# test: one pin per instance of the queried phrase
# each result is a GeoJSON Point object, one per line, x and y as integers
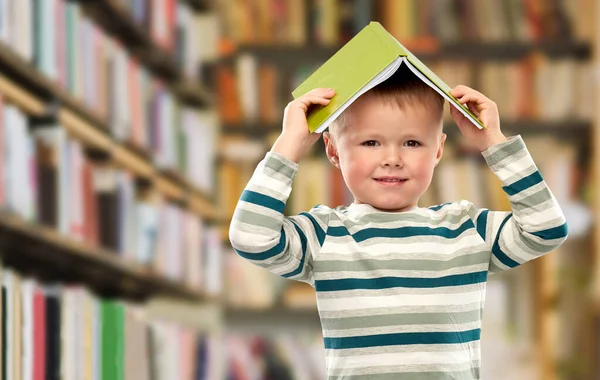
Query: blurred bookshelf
{"type": "Point", "coordinates": [569, 127]}
{"type": "Point", "coordinates": [43, 253]}
{"type": "Point", "coordinates": [107, 197]}
{"type": "Point", "coordinates": [290, 56]}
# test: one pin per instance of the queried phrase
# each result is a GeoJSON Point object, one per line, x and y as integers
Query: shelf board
{"type": "Point", "coordinates": [116, 20]}
{"type": "Point", "coordinates": [42, 252]}
{"type": "Point", "coordinates": [40, 96]}
{"type": "Point", "coordinates": [291, 56]}
{"type": "Point", "coordinates": [200, 5]}
{"type": "Point", "coordinates": [257, 130]}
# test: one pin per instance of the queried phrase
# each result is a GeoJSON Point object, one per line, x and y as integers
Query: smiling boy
{"type": "Point", "coordinates": [400, 288]}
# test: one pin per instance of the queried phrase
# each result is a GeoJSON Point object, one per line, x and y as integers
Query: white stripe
{"type": "Point", "coordinates": [270, 186]}
{"type": "Point", "coordinates": [393, 224]}
{"type": "Point", "coordinates": [353, 303]}
{"type": "Point", "coordinates": [539, 218]}
{"type": "Point", "coordinates": [414, 358]}
{"type": "Point", "coordinates": [384, 310]}
{"type": "Point", "coordinates": [253, 241]}
{"type": "Point", "coordinates": [518, 167]}
{"type": "Point", "coordinates": [430, 248]}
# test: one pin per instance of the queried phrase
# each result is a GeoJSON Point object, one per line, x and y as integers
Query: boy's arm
{"type": "Point", "coordinates": [536, 224]}
{"type": "Point", "coordinates": [260, 233]}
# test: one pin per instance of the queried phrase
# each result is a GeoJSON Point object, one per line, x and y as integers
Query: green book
{"type": "Point", "coordinates": [112, 334]}
{"type": "Point", "coordinates": [369, 58]}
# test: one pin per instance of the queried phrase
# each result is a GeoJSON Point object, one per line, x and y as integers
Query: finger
{"type": "Point", "coordinates": [321, 91]}
{"type": "Point", "coordinates": [307, 100]}
{"type": "Point", "coordinates": [473, 97]}
{"type": "Point", "coordinates": [460, 90]}
{"type": "Point", "coordinates": [474, 108]}
{"type": "Point", "coordinates": [461, 121]}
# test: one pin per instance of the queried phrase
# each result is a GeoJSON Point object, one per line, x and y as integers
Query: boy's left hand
{"type": "Point", "coordinates": [485, 110]}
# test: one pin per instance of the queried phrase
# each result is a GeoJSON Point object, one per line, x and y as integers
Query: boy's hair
{"type": "Point", "coordinates": [403, 88]}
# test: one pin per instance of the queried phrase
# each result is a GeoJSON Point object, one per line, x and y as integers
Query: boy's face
{"type": "Point", "coordinates": [387, 154]}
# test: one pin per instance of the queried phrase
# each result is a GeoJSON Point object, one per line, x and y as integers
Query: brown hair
{"type": "Point", "coordinates": [402, 88]}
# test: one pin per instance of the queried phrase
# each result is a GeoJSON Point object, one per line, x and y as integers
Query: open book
{"type": "Point", "coordinates": [369, 58]}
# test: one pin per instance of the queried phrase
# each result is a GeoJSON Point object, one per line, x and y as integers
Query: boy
{"type": "Point", "coordinates": [400, 288]}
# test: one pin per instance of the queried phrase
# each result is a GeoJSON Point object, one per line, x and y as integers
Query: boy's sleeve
{"type": "Point", "coordinates": [260, 233]}
{"type": "Point", "coordinates": [535, 226]}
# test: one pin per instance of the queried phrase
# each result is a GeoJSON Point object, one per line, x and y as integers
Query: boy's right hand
{"type": "Point", "coordinates": [295, 139]}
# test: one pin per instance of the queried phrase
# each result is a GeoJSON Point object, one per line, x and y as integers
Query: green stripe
{"type": "Point", "coordinates": [279, 166]}
{"type": "Point", "coordinates": [399, 264]}
{"type": "Point", "coordinates": [523, 184]}
{"type": "Point", "coordinates": [272, 252]}
{"type": "Point", "coordinates": [439, 207]}
{"type": "Point", "coordinates": [509, 150]}
{"type": "Point", "coordinates": [482, 223]}
{"type": "Point", "coordinates": [263, 200]}
{"type": "Point", "coordinates": [497, 251]}
{"type": "Point", "coordinates": [257, 220]}
{"type": "Point", "coordinates": [401, 232]}
{"type": "Point", "coordinates": [403, 282]}
{"type": "Point", "coordinates": [471, 374]}
{"type": "Point", "coordinates": [453, 337]}
{"type": "Point", "coordinates": [318, 230]}
{"type": "Point", "coordinates": [535, 199]}
{"type": "Point", "coordinates": [303, 245]}
{"type": "Point", "coordinates": [401, 319]}
{"type": "Point", "coordinates": [559, 232]}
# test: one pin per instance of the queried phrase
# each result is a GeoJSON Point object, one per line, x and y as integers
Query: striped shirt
{"type": "Point", "coordinates": [400, 295]}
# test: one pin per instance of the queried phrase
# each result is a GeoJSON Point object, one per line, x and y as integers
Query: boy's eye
{"type": "Point", "coordinates": [370, 143]}
{"type": "Point", "coordinates": [412, 143]}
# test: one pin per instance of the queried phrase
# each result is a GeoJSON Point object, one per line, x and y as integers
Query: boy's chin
{"type": "Point", "coordinates": [393, 206]}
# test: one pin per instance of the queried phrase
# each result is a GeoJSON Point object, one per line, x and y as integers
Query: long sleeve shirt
{"type": "Point", "coordinates": [400, 295]}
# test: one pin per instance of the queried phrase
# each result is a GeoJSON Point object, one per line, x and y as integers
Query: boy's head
{"type": "Point", "coordinates": [388, 142]}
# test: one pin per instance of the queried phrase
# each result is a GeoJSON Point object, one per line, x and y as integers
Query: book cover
{"type": "Point", "coordinates": [368, 59]}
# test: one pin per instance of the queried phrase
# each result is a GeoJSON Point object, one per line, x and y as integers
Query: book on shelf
{"type": "Point", "coordinates": [46, 178]}
{"type": "Point", "coordinates": [52, 331]}
{"type": "Point", "coordinates": [368, 59]}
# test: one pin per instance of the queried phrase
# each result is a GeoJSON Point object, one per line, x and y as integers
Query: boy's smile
{"type": "Point", "coordinates": [386, 153]}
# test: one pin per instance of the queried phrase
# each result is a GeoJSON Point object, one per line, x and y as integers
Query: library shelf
{"type": "Point", "coordinates": [43, 252]}
{"type": "Point", "coordinates": [116, 20]}
{"type": "Point", "coordinates": [567, 127]}
{"type": "Point", "coordinates": [200, 5]}
{"type": "Point", "coordinates": [292, 56]}
{"type": "Point", "coordinates": [92, 131]}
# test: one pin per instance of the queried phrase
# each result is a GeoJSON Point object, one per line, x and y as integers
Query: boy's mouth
{"type": "Point", "coordinates": [390, 180]}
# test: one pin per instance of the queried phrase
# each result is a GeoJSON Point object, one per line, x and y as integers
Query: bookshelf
{"type": "Point", "coordinates": [43, 253]}
{"type": "Point", "coordinates": [292, 55]}
{"type": "Point", "coordinates": [116, 20]}
{"type": "Point", "coordinates": [96, 136]}
{"type": "Point", "coordinates": [78, 270]}
{"type": "Point", "coordinates": [55, 257]}
{"type": "Point", "coordinates": [574, 128]}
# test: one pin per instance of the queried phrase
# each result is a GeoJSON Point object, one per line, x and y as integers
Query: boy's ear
{"type": "Point", "coordinates": [331, 150]}
{"type": "Point", "coordinates": [440, 151]}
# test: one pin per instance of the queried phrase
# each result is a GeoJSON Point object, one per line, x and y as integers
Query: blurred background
{"type": "Point", "coordinates": [129, 128]}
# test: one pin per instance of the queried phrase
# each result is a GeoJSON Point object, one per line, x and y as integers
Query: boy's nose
{"type": "Point", "coordinates": [393, 159]}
